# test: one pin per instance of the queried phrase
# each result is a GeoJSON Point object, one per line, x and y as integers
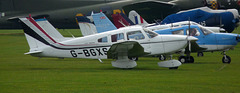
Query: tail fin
{"type": "Point", "coordinates": [102, 23]}
{"type": "Point", "coordinates": [136, 18]}
{"type": "Point", "coordinates": [121, 20]}
{"type": "Point", "coordinates": [50, 30]}
{"type": "Point", "coordinates": [86, 27]}
{"type": "Point", "coordinates": [38, 34]}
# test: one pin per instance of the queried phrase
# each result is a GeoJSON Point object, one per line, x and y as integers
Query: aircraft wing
{"type": "Point", "coordinates": [196, 48]}
{"type": "Point", "coordinates": [128, 48]}
{"type": "Point", "coordinates": [149, 6]}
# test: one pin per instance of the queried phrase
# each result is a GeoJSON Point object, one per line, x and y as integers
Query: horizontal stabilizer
{"type": "Point", "coordinates": [33, 52]}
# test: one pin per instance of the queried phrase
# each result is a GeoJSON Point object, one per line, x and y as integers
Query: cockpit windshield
{"type": "Point", "coordinates": [206, 31]}
{"type": "Point", "coordinates": [150, 34]}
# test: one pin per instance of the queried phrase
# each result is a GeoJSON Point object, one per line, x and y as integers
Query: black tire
{"type": "Point", "coordinates": [182, 59]}
{"type": "Point", "coordinates": [162, 57]}
{"type": "Point", "coordinates": [200, 54]}
{"type": "Point", "coordinates": [173, 68]}
{"type": "Point", "coordinates": [133, 58]}
{"type": "Point", "coordinates": [191, 59]}
{"type": "Point", "coordinates": [226, 60]}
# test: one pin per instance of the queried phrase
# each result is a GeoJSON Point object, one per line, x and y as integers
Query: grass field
{"type": "Point", "coordinates": [21, 73]}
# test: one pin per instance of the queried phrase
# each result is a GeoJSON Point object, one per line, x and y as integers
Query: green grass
{"type": "Point", "coordinates": [21, 73]}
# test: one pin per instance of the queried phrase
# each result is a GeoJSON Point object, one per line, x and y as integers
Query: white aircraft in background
{"type": "Point", "coordinates": [45, 41]}
{"type": "Point", "coordinates": [137, 19]}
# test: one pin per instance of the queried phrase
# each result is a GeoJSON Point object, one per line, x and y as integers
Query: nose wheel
{"type": "Point", "coordinates": [226, 59]}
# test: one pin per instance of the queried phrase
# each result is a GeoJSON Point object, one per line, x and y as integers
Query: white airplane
{"type": "Point", "coordinates": [134, 41]}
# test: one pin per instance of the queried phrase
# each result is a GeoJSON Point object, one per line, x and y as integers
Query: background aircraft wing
{"type": "Point", "coordinates": [148, 7]}
{"type": "Point", "coordinates": [195, 47]}
{"type": "Point", "coordinates": [128, 48]}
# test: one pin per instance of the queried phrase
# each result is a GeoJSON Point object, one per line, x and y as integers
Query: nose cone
{"type": "Point", "coordinates": [191, 38]}
{"type": "Point", "coordinates": [227, 38]}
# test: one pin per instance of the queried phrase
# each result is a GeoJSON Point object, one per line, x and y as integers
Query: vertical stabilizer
{"type": "Point", "coordinates": [121, 20]}
{"type": "Point", "coordinates": [50, 30]}
{"type": "Point", "coordinates": [86, 26]}
{"type": "Point", "coordinates": [136, 18]}
{"type": "Point", "coordinates": [39, 34]}
{"type": "Point", "coordinates": [102, 23]}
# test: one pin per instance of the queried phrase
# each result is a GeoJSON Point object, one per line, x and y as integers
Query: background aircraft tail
{"type": "Point", "coordinates": [121, 20]}
{"type": "Point", "coordinates": [136, 18]}
{"type": "Point", "coordinates": [102, 23]}
{"type": "Point", "coordinates": [85, 25]}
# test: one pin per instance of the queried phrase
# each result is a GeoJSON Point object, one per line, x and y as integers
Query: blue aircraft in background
{"type": "Point", "coordinates": [208, 41]}
{"type": "Point", "coordinates": [227, 19]}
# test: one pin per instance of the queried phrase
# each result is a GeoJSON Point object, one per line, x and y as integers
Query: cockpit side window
{"type": "Point", "coordinates": [178, 32]}
{"type": "Point", "coordinates": [193, 32]}
{"type": "Point", "coordinates": [135, 35]}
{"type": "Point", "coordinates": [117, 37]}
{"type": "Point", "coordinates": [206, 31]}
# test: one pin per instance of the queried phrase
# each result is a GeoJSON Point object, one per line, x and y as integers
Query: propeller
{"type": "Point", "coordinates": [189, 42]}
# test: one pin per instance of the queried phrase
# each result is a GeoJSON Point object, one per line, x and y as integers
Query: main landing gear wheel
{"type": "Point", "coordinates": [182, 59]}
{"type": "Point", "coordinates": [200, 54]}
{"type": "Point", "coordinates": [185, 59]}
{"type": "Point", "coordinates": [226, 59]}
{"type": "Point", "coordinates": [162, 57]}
{"type": "Point", "coordinates": [133, 58]}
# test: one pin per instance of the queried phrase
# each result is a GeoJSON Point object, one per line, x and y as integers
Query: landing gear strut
{"type": "Point", "coordinates": [226, 59]}
{"type": "Point", "coordinates": [162, 57]}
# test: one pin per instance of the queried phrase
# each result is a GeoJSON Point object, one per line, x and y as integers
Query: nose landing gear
{"type": "Point", "coordinates": [226, 59]}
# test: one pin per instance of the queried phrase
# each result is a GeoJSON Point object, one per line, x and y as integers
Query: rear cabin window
{"type": "Point", "coordinates": [135, 35]}
{"type": "Point", "coordinates": [117, 37]}
{"type": "Point", "coordinates": [103, 40]}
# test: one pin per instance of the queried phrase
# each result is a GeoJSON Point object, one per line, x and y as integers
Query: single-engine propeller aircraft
{"type": "Point", "coordinates": [118, 44]}
{"type": "Point", "coordinates": [208, 41]}
{"type": "Point", "coordinates": [61, 13]}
